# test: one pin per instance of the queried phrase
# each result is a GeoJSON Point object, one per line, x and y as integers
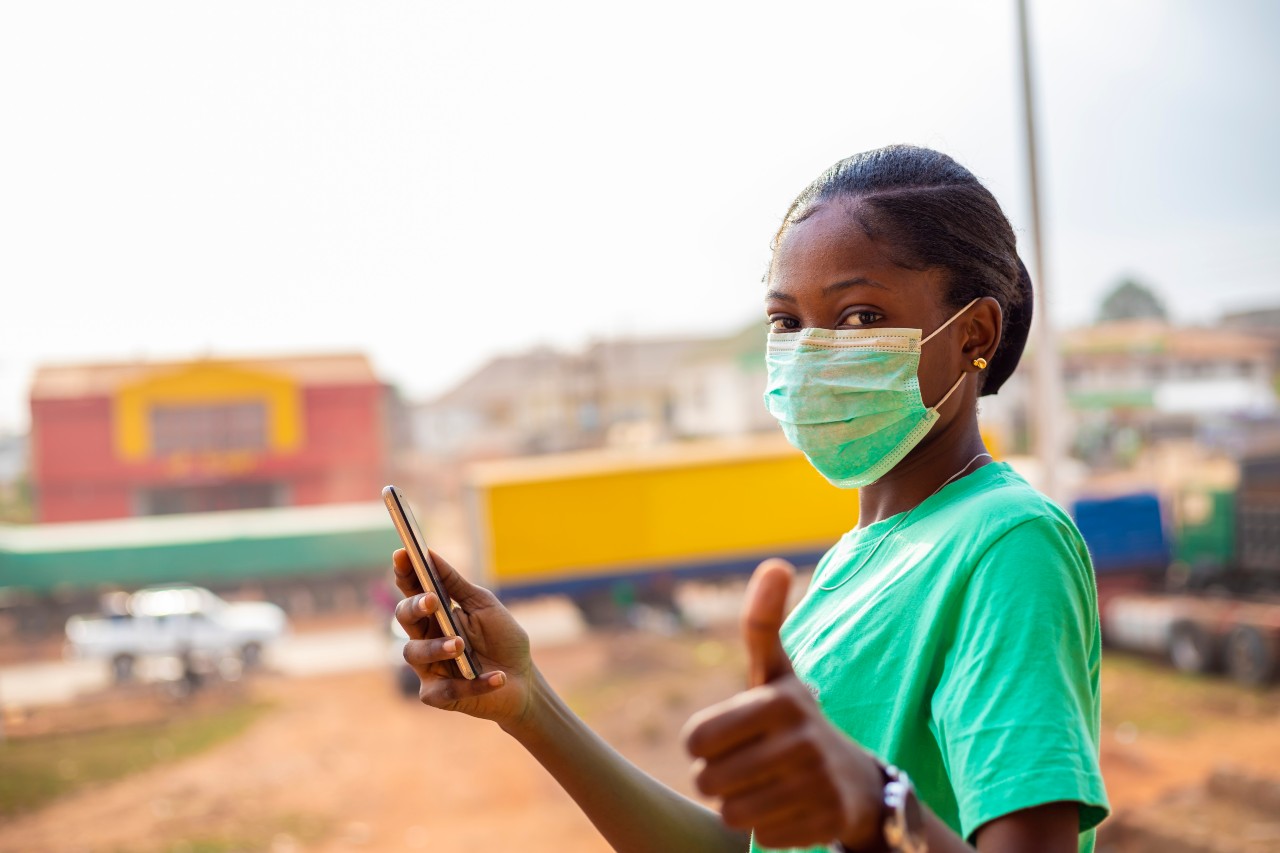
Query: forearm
{"type": "Point", "coordinates": [1050, 828]}
{"type": "Point", "coordinates": [938, 837]}
{"type": "Point", "coordinates": [632, 810]}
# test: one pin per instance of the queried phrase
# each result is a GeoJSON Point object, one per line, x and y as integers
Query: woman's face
{"type": "Point", "coordinates": [827, 274]}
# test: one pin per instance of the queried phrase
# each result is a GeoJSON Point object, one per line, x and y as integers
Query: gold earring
{"type": "Point", "coordinates": [980, 363]}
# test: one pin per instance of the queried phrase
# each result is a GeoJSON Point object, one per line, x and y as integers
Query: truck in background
{"type": "Point", "coordinates": [609, 527]}
{"type": "Point", "coordinates": [310, 559]}
{"type": "Point", "coordinates": [178, 622]}
{"type": "Point", "coordinates": [1215, 604]}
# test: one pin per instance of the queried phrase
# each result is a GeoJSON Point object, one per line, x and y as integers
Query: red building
{"type": "Point", "coordinates": [115, 440]}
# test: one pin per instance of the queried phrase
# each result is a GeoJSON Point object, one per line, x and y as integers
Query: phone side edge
{"type": "Point", "coordinates": [418, 558]}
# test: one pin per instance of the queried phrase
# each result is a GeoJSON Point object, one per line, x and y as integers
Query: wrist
{"type": "Point", "coordinates": [531, 721]}
{"type": "Point", "coordinates": [868, 835]}
{"type": "Point", "coordinates": [877, 845]}
{"type": "Point", "coordinates": [902, 818]}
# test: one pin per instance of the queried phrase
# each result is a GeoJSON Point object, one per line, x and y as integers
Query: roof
{"type": "Point", "coordinates": [628, 363]}
{"type": "Point", "coordinates": [1129, 338]}
{"type": "Point", "coordinates": [1262, 321]}
{"type": "Point", "coordinates": [149, 530]}
{"type": "Point", "coordinates": [746, 346]}
{"type": "Point", "coordinates": [507, 376]}
{"type": "Point", "coordinates": [61, 381]}
{"type": "Point", "coordinates": [204, 548]}
{"type": "Point", "coordinates": [608, 461]}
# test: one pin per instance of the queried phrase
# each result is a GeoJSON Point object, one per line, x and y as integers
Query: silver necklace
{"type": "Point", "coordinates": [899, 522]}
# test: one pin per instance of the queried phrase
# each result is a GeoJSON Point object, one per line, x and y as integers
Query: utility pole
{"type": "Point", "coordinates": [1047, 407]}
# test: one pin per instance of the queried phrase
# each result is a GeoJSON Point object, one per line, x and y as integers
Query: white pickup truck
{"type": "Point", "coordinates": [176, 621]}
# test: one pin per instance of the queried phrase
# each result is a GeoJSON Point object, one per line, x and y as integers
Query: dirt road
{"type": "Point", "coordinates": [342, 762]}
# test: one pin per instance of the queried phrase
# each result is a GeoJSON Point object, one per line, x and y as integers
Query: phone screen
{"type": "Point", "coordinates": [415, 544]}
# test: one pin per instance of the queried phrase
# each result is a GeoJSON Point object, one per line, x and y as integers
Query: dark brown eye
{"type": "Point", "coordinates": [863, 318]}
{"type": "Point", "coordinates": [783, 324]}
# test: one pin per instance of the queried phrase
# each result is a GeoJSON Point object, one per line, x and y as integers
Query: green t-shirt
{"type": "Point", "coordinates": [964, 648]}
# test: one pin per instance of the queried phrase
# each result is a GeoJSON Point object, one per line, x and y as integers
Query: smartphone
{"type": "Point", "coordinates": [420, 557]}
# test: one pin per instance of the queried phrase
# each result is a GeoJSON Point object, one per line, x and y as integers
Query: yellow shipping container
{"type": "Point", "coordinates": [575, 522]}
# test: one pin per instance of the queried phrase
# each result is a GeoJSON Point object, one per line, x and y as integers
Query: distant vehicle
{"type": "Point", "coordinates": [406, 679]}
{"type": "Point", "coordinates": [176, 621]}
{"type": "Point", "coordinates": [1200, 633]}
{"type": "Point", "coordinates": [613, 528]}
{"type": "Point", "coordinates": [1224, 612]}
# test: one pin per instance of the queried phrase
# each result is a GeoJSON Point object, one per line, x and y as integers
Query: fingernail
{"type": "Point", "coordinates": [497, 679]}
{"type": "Point", "coordinates": [453, 646]}
{"type": "Point", "coordinates": [422, 603]}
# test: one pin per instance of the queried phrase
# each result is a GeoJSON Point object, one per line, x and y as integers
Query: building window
{"type": "Point", "coordinates": [212, 498]}
{"type": "Point", "coordinates": [204, 428]}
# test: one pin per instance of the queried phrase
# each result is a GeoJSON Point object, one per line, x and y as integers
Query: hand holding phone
{"type": "Point", "coordinates": [420, 556]}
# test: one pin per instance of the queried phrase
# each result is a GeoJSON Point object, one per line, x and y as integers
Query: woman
{"type": "Point", "coordinates": [952, 634]}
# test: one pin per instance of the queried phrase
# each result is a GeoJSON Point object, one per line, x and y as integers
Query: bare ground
{"type": "Point", "coordinates": [343, 763]}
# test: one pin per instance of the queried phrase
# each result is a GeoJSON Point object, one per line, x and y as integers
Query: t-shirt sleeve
{"type": "Point", "coordinates": [1016, 708]}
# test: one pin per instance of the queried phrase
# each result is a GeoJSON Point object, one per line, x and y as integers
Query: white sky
{"type": "Point", "coordinates": [434, 183]}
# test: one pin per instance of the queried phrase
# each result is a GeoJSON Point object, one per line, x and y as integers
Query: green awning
{"type": "Point", "coordinates": [1140, 398]}
{"type": "Point", "coordinates": [204, 548]}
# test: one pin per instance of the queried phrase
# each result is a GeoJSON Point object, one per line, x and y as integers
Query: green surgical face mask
{"type": "Point", "coordinates": [850, 399]}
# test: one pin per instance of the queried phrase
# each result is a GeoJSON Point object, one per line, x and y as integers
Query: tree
{"type": "Point", "coordinates": [1131, 300]}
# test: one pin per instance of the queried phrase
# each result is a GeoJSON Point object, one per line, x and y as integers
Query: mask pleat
{"type": "Point", "coordinates": [848, 409]}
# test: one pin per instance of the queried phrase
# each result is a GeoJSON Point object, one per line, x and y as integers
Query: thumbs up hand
{"type": "Point", "coordinates": [764, 609]}
{"type": "Point", "coordinates": [777, 765]}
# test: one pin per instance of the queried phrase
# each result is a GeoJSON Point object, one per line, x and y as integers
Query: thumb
{"type": "Point", "coordinates": [461, 590]}
{"type": "Point", "coordinates": [762, 613]}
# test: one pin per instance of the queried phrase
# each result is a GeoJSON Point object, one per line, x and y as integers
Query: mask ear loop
{"type": "Point", "coordinates": [956, 384]}
{"type": "Point", "coordinates": [949, 322]}
{"type": "Point", "coordinates": [938, 405]}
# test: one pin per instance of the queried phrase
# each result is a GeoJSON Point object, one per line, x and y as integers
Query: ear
{"type": "Point", "coordinates": [982, 328]}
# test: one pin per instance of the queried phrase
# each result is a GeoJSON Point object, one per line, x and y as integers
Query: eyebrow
{"type": "Point", "coordinates": [828, 290]}
{"type": "Point", "coordinates": [853, 282]}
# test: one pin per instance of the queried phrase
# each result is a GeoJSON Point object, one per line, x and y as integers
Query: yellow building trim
{"type": "Point", "coordinates": [206, 383]}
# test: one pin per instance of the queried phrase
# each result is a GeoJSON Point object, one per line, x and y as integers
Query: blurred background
{"type": "Point", "coordinates": [261, 259]}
